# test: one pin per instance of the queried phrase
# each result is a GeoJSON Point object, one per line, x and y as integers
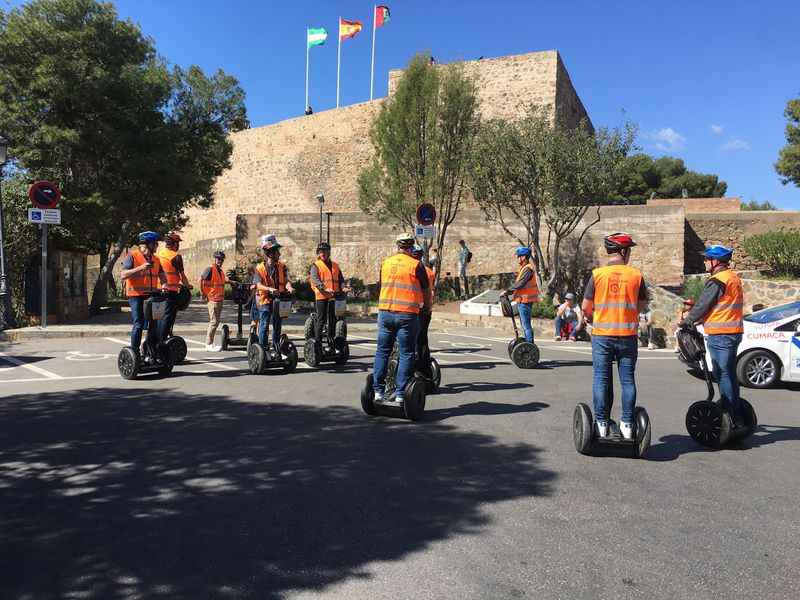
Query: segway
{"type": "Point", "coordinates": [283, 357]}
{"type": "Point", "coordinates": [333, 348]}
{"type": "Point", "coordinates": [340, 329]}
{"type": "Point", "coordinates": [708, 421]}
{"type": "Point", "coordinates": [241, 295]}
{"type": "Point", "coordinates": [524, 354]}
{"type": "Point", "coordinates": [433, 381]}
{"type": "Point", "coordinates": [413, 405]}
{"type": "Point", "coordinates": [175, 343]}
{"type": "Point", "coordinates": [154, 356]}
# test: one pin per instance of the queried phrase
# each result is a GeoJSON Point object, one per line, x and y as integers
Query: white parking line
{"type": "Point", "coordinates": [30, 367]}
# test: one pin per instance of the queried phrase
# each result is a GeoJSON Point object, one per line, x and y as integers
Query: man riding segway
{"type": "Point", "coordinates": [425, 363]}
{"type": "Point", "coordinates": [328, 284]}
{"type": "Point", "coordinates": [212, 287]}
{"type": "Point", "coordinates": [172, 264]}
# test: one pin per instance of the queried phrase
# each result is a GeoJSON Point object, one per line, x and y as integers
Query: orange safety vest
{"type": "Point", "coordinates": [143, 283]}
{"type": "Point", "coordinates": [530, 293]}
{"type": "Point", "coordinates": [726, 316]}
{"type": "Point", "coordinates": [616, 300]}
{"type": "Point", "coordinates": [400, 288]}
{"type": "Point", "coordinates": [173, 276]}
{"type": "Point", "coordinates": [263, 297]}
{"type": "Point", "coordinates": [214, 288]}
{"type": "Point", "coordinates": [329, 277]}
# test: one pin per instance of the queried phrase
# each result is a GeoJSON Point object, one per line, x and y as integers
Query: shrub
{"type": "Point", "coordinates": [779, 250]}
{"type": "Point", "coordinates": [693, 287]}
{"type": "Point", "coordinates": [543, 310]}
{"type": "Point", "coordinates": [358, 287]}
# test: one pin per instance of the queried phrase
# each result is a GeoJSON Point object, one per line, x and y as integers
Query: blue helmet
{"type": "Point", "coordinates": [717, 252]}
{"type": "Point", "coordinates": [148, 237]}
{"type": "Point", "coordinates": [523, 251]}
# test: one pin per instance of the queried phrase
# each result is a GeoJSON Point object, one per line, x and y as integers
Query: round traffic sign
{"type": "Point", "coordinates": [426, 214]}
{"type": "Point", "coordinates": [44, 194]}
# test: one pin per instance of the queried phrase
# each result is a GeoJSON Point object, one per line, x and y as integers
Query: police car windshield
{"type": "Point", "coordinates": [776, 313]}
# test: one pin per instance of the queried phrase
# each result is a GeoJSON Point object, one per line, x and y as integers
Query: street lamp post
{"type": "Point", "coordinates": [321, 200]}
{"type": "Point", "coordinates": [6, 313]}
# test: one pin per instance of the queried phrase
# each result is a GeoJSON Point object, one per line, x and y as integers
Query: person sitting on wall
{"type": "Point", "coordinates": [646, 329]}
{"type": "Point", "coordinates": [569, 319]}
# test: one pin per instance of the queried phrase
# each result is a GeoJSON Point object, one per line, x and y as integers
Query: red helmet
{"type": "Point", "coordinates": [618, 241]}
{"type": "Point", "coordinates": [172, 236]}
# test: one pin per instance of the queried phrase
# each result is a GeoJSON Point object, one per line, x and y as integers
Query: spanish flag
{"type": "Point", "coordinates": [348, 29]}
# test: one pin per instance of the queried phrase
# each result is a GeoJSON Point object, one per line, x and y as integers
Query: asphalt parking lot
{"type": "Point", "coordinates": [214, 483]}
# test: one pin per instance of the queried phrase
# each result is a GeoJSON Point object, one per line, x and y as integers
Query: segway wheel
{"type": "Point", "coordinates": [708, 424]}
{"type": "Point", "coordinates": [414, 400]}
{"type": "Point", "coordinates": [256, 357]}
{"type": "Point", "coordinates": [340, 330]}
{"type": "Point", "coordinates": [368, 397]}
{"type": "Point", "coordinates": [252, 340]}
{"type": "Point", "coordinates": [344, 354]}
{"type": "Point", "coordinates": [513, 343]}
{"type": "Point", "coordinates": [643, 431]}
{"type": "Point", "coordinates": [310, 353]}
{"type": "Point", "coordinates": [750, 418]}
{"type": "Point", "coordinates": [525, 355]}
{"type": "Point", "coordinates": [225, 337]}
{"type": "Point", "coordinates": [391, 375]}
{"type": "Point", "coordinates": [128, 363]}
{"type": "Point", "coordinates": [582, 428]}
{"type": "Point", "coordinates": [177, 346]}
{"type": "Point", "coordinates": [166, 358]}
{"type": "Point", "coordinates": [435, 382]}
{"type": "Point", "coordinates": [308, 327]}
{"type": "Point", "coordinates": [291, 359]}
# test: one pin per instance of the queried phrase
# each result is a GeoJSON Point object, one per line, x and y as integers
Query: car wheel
{"type": "Point", "coordinates": [758, 369]}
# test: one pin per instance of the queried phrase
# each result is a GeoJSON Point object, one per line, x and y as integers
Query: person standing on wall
{"type": "Point", "coordinates": [405, 291]}
{"type": "Point", "coordinates": [614, 297]}
{"type": "Point", "coordinates": [172, 263]}
{"type": "Point", "coordinates": [143, 276]}
{"type": "Point", "coordinates": [525, 291]}
{"type": "Point", "coordinates": [212, 287]}
{"type": "Point", "coordinates": [720, 308]}
{"type": "Point", "coordinates": [464, 257]}
{"type": "Point", "coordinates": [326, 280]}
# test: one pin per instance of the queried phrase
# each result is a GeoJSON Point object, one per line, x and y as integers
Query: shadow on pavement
{"type": "Point", "coordinates": [555, 364]}
{"type": "Point", "coordinates": [111, 493]}
{"type": "Point", "coordinates": [475, 366]}
{"type": "Point", "coordinates": [673, 446]}
{"type": "Point", "coordinates": [7, 360]}
{"type": "Point", "coordinates": [483, 386]}
{"type": "Point", "coordinates": [483, 408]}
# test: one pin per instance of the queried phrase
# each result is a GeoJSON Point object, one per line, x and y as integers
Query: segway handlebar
{"type": "Point", "coordinates": [693, 350]}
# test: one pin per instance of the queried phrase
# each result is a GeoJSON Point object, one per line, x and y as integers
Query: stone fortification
{"type": "Point", "coordinates": [279, 169]}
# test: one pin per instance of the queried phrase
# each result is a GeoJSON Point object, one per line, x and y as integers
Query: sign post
{"type": "Point", "coordinates": [44, 195]}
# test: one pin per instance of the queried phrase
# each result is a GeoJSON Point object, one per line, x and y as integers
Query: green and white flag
{"type": "Point", "coordinates": [317, 37]}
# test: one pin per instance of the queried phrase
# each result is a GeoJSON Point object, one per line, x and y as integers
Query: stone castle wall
{"type": "Point", "coordinates": [731, 229]}
{"type": "Point", "coordinates": [700, 205]}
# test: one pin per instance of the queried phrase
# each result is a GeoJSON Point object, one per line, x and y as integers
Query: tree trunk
{"type": "Point", "coordinates": [99, 294]}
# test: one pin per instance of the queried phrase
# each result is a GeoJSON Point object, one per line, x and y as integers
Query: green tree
{"type": "Point", "coordinates": [423, 138]}
{"type": "Point", "coordinates": [527, 174]}
{"type": "Point", "coordinates": [788, 165]}
{"type": "Point", "coordinates": [756, 205]}
{"type": "Point", "coordinates": [130, 141]}
{"type": "Point", "coordinates": [642, 177]}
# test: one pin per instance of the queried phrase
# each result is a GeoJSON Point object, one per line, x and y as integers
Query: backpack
{"type": "Point", "coordinates": [469, 256]}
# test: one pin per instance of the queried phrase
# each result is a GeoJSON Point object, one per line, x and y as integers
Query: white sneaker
{"type": "Point", "coordinates": [216, 349]}
{"type": "Point", "coordinates": [602, 429]}
{"type": "Point", "coordinates": [378, 396]}
{"type": "Point", "coordinates": [398, 400]}
{"type": "Point", "coordinates": [626, 429]}
{"type": "Point", "coordinates": [209, 348]}
{"type": "Point", "coordinates": [651, 346]}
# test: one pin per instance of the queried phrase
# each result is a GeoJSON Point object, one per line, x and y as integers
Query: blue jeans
{"type": "Point", "coordinates": [722, 349]}
{"type": "Point", "coordinates": [269, 313]}
{"type": "Point", "coordinates": [171, 311]}
{"type": "Point", "coordinates": [404, 328]}
{"type": "Point", "coordinates": [605, 350]}
{"type": "Point", "coordinates": [524, 309]}
{"type": "Point", "coordinates": [139, 324]}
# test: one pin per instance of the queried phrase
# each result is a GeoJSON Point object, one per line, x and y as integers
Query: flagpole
{"type": "Point", "coordinates": [372, 68]}
{"type": "Point", "coordinates": [338, 61]}
{"type": "Point", "coordinates": [307, 52]}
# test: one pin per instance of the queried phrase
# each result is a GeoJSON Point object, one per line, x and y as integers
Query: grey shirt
{"type": "Point", "coordinates": [316, 280]}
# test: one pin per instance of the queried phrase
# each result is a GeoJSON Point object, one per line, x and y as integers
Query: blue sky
{"type": "Point", "coordinates": [705, 81]}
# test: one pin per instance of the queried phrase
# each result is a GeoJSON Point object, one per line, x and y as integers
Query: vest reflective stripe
{"type": "Point", "coordinates": [726, 316]}
{"type": "Point", "coordinates": [616, 298]}
{"type": "Point", "coordinates": [214, 288]}
{"type": "Point", "coordinates": [400, 289]}
{"type": "Point", "coordinates": [530, 293]}
{"type": "Point", "coordinates": [329, 278]}
{"type": "Point", "coordinates": [263, 297]}
{"type": "Point", "coordinates": [143, 283]}
{"type": "Point", "coordinates": [173, 277]}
